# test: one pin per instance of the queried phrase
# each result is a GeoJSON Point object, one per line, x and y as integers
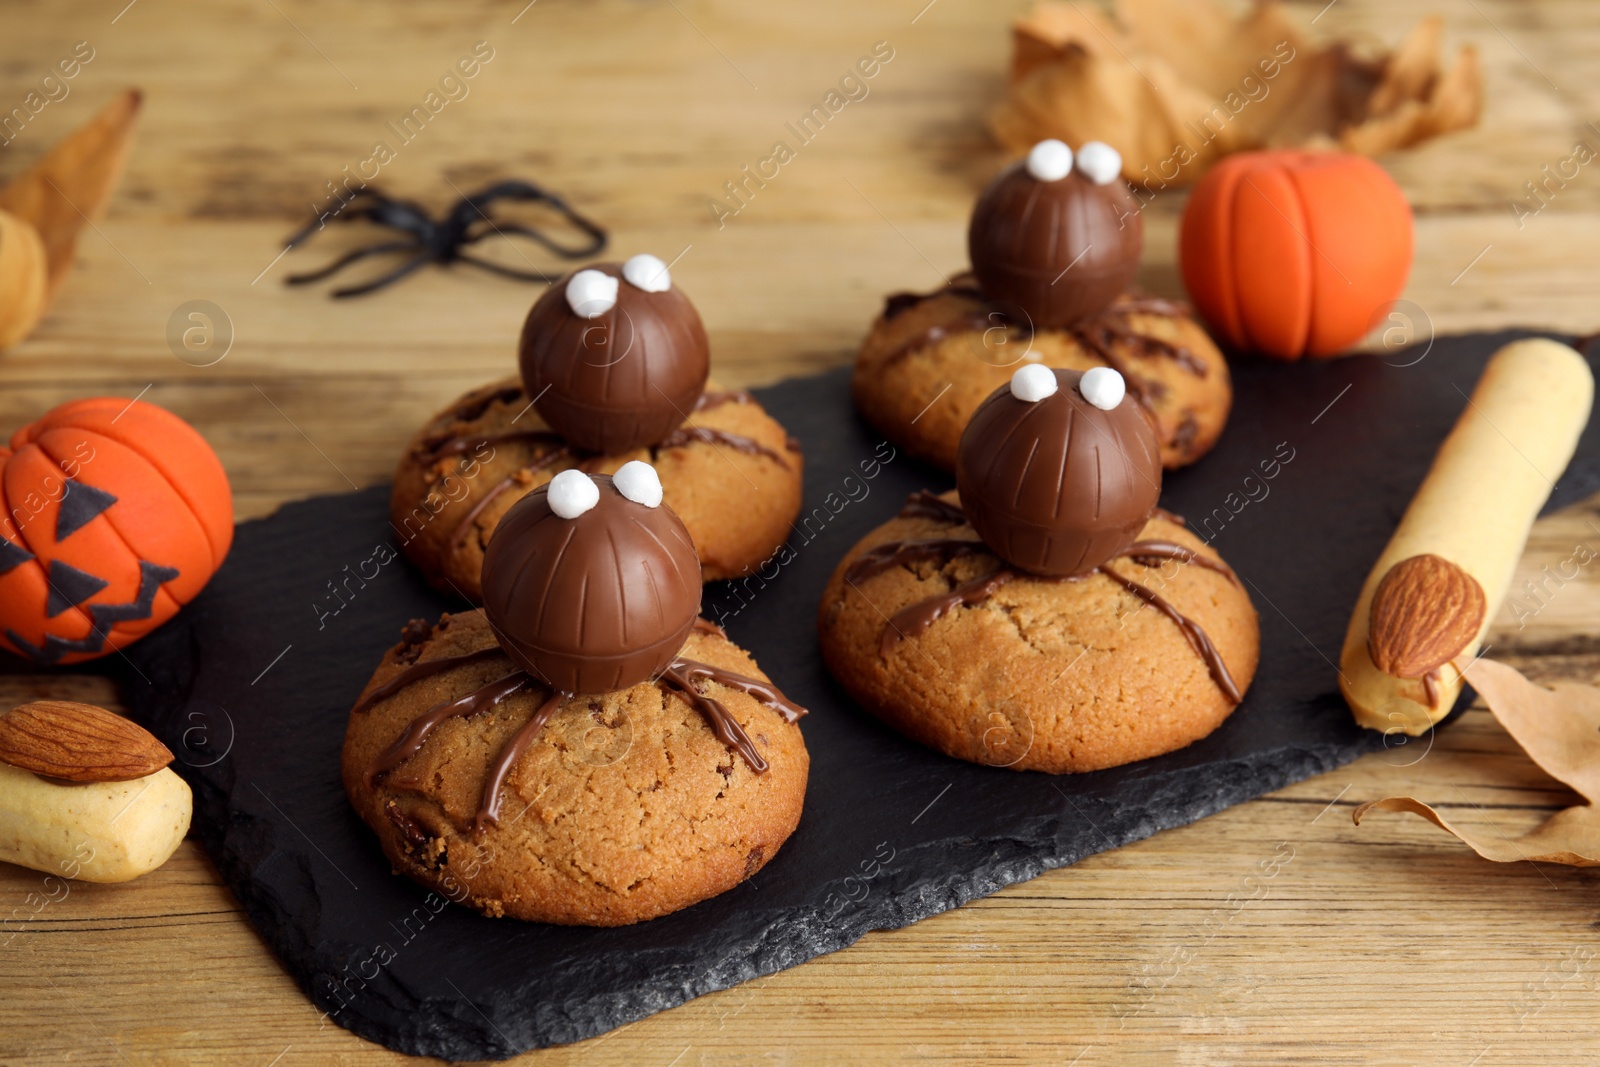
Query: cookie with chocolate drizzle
{"type": "Point", "coordinates": [1054, 251]}
{"type": "Point", "coordinates": [487, 782]}
{"type": "Point", "coordinates": [628, 382]}
{"type": "Point", "coordinates": [1047, 615]}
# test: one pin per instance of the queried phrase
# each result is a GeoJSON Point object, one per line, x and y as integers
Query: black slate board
{"type": "Point", "coordinates": [253, 683]}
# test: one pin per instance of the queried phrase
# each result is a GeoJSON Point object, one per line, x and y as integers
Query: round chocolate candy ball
{"type": "Point", "coordinates": [1059, 470]}
{"type": "Point", "coordinates": [1057, 236]}
{"type": "Point", "coordinates": [614, 356]}
{"type": "Point", "coordinates": [588, 585]}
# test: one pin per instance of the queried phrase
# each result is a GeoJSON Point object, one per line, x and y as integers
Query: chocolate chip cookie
{"type": "Point", "coordinates": [487, 787]}
{"type": "Point", "coordinates": [930, 359]}
{"type": "Point", "coordinates": [730, 471]}
{"type": "Point", "coordinates": [933, 633]}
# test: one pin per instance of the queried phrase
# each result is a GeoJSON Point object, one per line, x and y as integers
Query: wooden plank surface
{"type": "Point", "coordinates": [1384, 944]}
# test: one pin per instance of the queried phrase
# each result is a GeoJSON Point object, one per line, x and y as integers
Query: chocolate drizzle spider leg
{"type": "Point", "coordinates": [915, 619]}
{"type": "Point", "coordinates": [416, 734]}
{"type": "Point", "coordinates": [722, 722]}
{"type": "Point", "coordinates": [500, 769]}
{"type": "Point", "coordinates": [684, 436]}
{"type": "Point", "coordinates": [419, 670]}
{"type": "Point", "coordinates": [458, 439]}
{"type": "Point", "coordinates": [469, 521]}
{"type": "Point", "coordinates": [1105, 334]}
{"type": "Point", "coordinates": [1192, 631]}
{"type": "Point", "coordinates": [691, 670]}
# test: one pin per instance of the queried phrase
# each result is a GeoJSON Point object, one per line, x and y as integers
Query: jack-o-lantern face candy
{"type": "Point", "coordinates": [116, 515]}
{"type": "Point", "coordinates": [615, 356]}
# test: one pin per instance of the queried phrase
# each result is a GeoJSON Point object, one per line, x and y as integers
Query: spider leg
{"type": "Point", "coordinates": [347, 259]}
{"type": "Point", "coordinates": [471, 209]}
{"type": "Point", "coordinates": [407, 216]}
{"type": "Point", "coordinates": [506, 229]}
{"type": "Point", "coordinates": [378, 201]}
{"type": "Point", "coordinates": [442, 241]}
{"type": "Point", "coordinates": [385, 279]}
{"type": "Point", "coordinates": [507, 272]}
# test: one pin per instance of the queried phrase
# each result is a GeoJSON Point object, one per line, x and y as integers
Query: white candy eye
{"type": "Point", "coordinates": [1050, 161]}
{"type": "Point", "coordinates": [572, 493]}
{"type": "Point", "coordinates": [591, 293]}
{"type": "Point", "coordinates": [1033, 383]}
{"type": "Point", "coordinates": [1102, 387]}
{"type": "Point", "coordinates": [639, 482]}
{"type": "Point", "coordinates": [1099, 162]}
{"type": "Point", "coordinates": [647, 272]}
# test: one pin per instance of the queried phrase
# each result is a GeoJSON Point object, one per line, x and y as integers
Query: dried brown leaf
{"type": "Point", "coordinates": [1412, 69]}
{"type": "Point", "coordinates": [71, 185]}
{"type": "Point", "coordinates": [1174, 85]}
{"type": "Point", "coordinates": [1559, 728]}
{"type": "Point", "coordinates": [1454, 102]}
{"type": "Point", "coordinates": [1202, 41]}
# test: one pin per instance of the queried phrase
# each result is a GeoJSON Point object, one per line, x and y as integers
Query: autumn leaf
{"type": "Point", "coordinates": [1559, 729]}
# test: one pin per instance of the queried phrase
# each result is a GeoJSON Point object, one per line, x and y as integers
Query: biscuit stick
{"type": "Point", "coordinates": [1433, 593]}
{"type": "Point", "coordinates": [93, 831]}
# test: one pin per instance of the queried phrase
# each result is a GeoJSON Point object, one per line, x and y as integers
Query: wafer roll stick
{"type": "Point", "coordinates": [1431, 596]}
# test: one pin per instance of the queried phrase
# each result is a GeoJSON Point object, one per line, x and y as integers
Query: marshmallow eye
{"type": "Point", "coordinates": [1050, 161]}
{"type": "Point", "coordinates": [1033, 383]}
{"type": "Point", "coordinates": [591, 293]}
{"type": "Point", "coordinates": [1102, 387]}
{"type": "Point", "coordinates": [1099, 162]}
{"type": "Point", "coordinates": [639, 482]}
{"type": "Point", "coordinates": [647, 272]}
{"type": "Point", "coordinates": [571, 493]}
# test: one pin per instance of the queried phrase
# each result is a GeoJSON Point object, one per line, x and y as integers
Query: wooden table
{"type": "Point", "coordinates": [1390, 943]}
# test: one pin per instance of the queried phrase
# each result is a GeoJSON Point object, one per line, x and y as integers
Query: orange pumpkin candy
{"type": "Point", "coordinates": [1291, 254]}
{"type": "Point", "coordinates": [116, 515]}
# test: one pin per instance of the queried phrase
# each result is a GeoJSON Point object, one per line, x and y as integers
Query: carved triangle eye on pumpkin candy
{"type": "Point", "coordinates": [116, 514]}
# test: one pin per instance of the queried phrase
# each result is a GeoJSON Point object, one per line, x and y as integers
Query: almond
{"type": "Point", "coordinates": [78, 743]}
{"type": "Point", "coordinates": [1425, 611]}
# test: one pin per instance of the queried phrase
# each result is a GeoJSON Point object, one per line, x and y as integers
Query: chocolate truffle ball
{"type": "Point", "coordinates": [1057, 236]}
{"type": "Point", "coordinates": [1054, 483]}
{"type": "Point", "coordinates": [614, 356]}
{"type": "Point", "coordinates": [598, 601]}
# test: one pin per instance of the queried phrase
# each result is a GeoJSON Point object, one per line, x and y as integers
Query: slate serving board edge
{"type": "Point", "coordinates": [244, 845]}
{"type": "Point", "coordinates": [227, 842]}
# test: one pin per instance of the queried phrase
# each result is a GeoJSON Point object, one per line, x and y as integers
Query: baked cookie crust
{"type": "Point", "coordinates": [731, 472]}
{"type": "Point", "coordinates": [622, 807]}
{"type": "Point", "coordinates": [1056, 675]}
{"type": "Point", "coordinates": [930, 360]}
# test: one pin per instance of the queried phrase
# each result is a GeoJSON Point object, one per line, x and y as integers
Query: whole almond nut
{"type": "Point", "coordinates": [1425, 611]}
{"type": "Point", "coordinates": [78, 743]}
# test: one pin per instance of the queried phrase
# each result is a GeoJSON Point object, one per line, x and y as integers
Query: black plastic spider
{"type": "Point", "coordinates": [443, 241]}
